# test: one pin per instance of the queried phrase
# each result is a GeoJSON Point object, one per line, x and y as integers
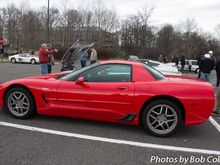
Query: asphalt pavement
{"type": "Point", "coordinates": [56, 140]}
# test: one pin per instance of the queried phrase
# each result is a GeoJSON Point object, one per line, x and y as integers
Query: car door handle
{"type": "Point", "coordinates": [123, 88]}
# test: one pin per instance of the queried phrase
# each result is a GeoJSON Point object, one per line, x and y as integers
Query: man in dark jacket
{"type": "Point", "coordinates": [206, 65]}
{"type": "Point", "coordinates": [182, 62]}
{"type": "Point", "coordinates": [217, 68]}
{"type": "Point", "coordinates": [43, 57]}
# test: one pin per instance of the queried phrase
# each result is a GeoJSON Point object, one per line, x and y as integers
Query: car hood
{"type": "Point", "coordinates": [49, 76]}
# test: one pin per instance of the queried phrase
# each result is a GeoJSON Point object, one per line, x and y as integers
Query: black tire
{"type": "Point", "coordinates": [13, 60]}
{"type": "Point", "coordinates": [19, 103]}
{"type": "Point", "coordinates": [161, 118]}
{"type": "Point", "coordinates": [33, 61]}
{"type": "Point", "coordinates": [197, 70]}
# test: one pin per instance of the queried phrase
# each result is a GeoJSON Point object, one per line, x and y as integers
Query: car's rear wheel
{"type": "Point", "coordinates": [33, 61]}
{"type": "Point", "coordinates": [19, 103]}
{"type": "Point", "coordinates": [13, 60]}
{"type": "Point", "coordinates": [161, 118]}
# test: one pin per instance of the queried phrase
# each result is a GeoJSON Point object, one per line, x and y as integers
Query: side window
{"type": "Point", "coordinates": [23, 55]}
{"type": "Point", "coordinates": [27, 55]}
{"type": "Point", "coordinates": [153, 63]}
{"type": "Point", "coordinates": [194, 63]}
{"type": "Point", "coordinates": [108, 73]}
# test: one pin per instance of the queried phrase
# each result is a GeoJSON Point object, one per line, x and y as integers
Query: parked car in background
{"type": "Point", "coordinates": [132, 58]}
{"type": "Point", "coordinates": [24, 58]}
{"type": "Point", "coordinates": [166, 69]}
{"type": "Point", "coordinates": [194, 68]}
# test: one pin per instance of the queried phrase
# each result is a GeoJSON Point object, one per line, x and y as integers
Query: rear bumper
{"type": "Point", "coordinates": [198, 111]}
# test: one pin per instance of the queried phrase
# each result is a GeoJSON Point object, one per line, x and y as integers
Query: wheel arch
{"type": "Point", "coordinates": [163, 97]}
{"type": "Point", "coordinates": [13, 58]}
{"type": "Point", "coordinates": [20, 86]}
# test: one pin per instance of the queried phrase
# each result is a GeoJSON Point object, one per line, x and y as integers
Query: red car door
{"type": "Point", "coordinates": [106, 93]}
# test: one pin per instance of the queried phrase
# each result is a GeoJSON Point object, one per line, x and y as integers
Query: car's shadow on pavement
{"type": "Point", "coordinates": [104, 129]}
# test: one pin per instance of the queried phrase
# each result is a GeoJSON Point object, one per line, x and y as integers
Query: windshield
{"type": "Point", "coordinates": [71, 76]}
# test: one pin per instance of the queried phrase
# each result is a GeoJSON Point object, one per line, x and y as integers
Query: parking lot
{"type": "Point", "coordinates": [55, 140]}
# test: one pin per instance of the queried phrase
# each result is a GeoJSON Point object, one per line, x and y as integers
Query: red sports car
{"type": "Point", "coordinates": [115, 91]}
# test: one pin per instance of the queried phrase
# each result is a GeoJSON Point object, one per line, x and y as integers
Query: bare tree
{"type": "Point", "coordinates": [217, 29]}
{"type": "Point", "coordinates": [137, 33]}
{"type": "Point", "coordinates": [188, 26]}
{"type": "Point", "coordinates": [165, 40]}
{"type": "Point", "coordinates": [104, 19]}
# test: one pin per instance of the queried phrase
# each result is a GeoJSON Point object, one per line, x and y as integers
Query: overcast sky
{"type": "Point", "coordinates": [205, 12]}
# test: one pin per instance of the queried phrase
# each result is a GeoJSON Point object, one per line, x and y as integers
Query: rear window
{"type": "Point", "coordinates": [155, 73]}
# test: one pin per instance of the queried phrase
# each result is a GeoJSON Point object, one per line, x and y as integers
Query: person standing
{"type": "Point", "coordinates": [51, 60]}
{"type": "Point", "coordinates": [165, 59]}
{"type": "Point", "coordinates": [172, 59]}
{"type": "Point", "coordinates": [206, 65]}
{"type": "Point", "coordinates": [177, 60]}
{"type": "Point", "coordinates": [182, 62]}
{"type": "Point", "coordinates": [217, 68]}
{"type": "Point", "coordinates": [83, 57]}
{"type": "Point", "coordinates": [160, 59]}
{"type": "Point", "coordinates": [43, 54]}
{"type": "Point", "coordinates": [213, 57]}
{"type": "Point", "coordinates": [190, 65]}
{"type": "Point", "coordinates": [93, 56]}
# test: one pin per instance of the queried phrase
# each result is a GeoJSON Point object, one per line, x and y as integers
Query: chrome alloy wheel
{"type": "Point", "coordinates": [18, 103]}
{"type": "Point", "coordinates": [33, 61]}
{"type": "Point", "coordinates": [162, 119]}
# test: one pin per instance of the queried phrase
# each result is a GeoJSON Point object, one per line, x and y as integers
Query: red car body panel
{"type": "Point", "coordinates": [112, 101]}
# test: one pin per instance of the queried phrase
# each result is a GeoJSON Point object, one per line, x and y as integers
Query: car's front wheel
{"type": "Point", "coordinates": [161, 118]}
{"type": "Point", "coordinates": [19, 103]}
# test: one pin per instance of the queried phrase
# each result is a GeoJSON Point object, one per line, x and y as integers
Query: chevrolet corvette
{"type": "Point", "coordinates": [125, 92]}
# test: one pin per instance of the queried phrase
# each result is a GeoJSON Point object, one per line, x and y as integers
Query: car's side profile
{"type": "Point", "coordinates": [24, 58]}
{"type": "Point", "coordinates": [124, 92]}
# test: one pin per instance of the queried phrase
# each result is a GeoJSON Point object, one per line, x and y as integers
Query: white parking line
{"type": "Point", "coordinates": [108, 140]}
{"type": "Point", "coordinates": [115, 141]}
{"type": "Point", "coordinates": [215, 124]}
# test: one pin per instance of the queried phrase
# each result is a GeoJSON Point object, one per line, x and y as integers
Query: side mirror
{"type": "Point", "coordinates": [80, 81]}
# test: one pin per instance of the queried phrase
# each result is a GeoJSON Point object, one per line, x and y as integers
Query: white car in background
{"type": "Point", "coordinates": [166, 69]}
{"type": "Point", "coordinates": [24, 58]}
{"type": "Point", "coordinates": [195, 66]}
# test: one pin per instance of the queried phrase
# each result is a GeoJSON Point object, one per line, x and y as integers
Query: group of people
{"type": "Point", "coordinates": [162, 59]}
{"type": "Point", "coordinates": [46, 57]}
{"type": "Point", "coordinates": [208, 63]}
{"type": "Point", "coordinates": [84, 56]}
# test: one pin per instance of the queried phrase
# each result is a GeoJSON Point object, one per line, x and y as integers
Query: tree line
{"type": "Point", "coordinates": [25, 29]}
